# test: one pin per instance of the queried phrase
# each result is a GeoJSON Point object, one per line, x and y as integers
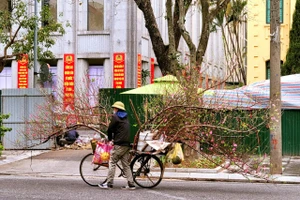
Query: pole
{"type": "Point", "coordinates": [275, 90]}
{"type": "Point", "coordinates": [35, 44]}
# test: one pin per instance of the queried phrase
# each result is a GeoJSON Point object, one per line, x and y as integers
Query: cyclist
{"type": "Point", "coordinates": [118, 132]}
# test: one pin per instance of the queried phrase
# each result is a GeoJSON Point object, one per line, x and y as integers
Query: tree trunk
{"type": "Point", "coordinates": [166, 54]}
{"type": "Point", "coordinates": [160, 49]}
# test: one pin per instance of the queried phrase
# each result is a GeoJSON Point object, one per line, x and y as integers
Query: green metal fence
{"type": "Point", "coordinates": [290, 135]}
{"type": "Point", "coordinates": [290, 124]}
{"type": "Point", "coordinates": [291, 132]}
{"type": "Point", "coordinates": [259, 142]}
{"type": "Point", "coordinates": [137, 100]}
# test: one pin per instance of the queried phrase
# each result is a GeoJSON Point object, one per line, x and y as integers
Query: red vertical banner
{"type": "Point", "coordinates": [119, 70]}
{"type": "Point", "coordinates": [139, 70]}
{"type": "Point", "coordinates": [69, 65]}
{"type": "Point", "coordinates": [152, 71]}
{"type": "Point", "coordinates": [23, 72]}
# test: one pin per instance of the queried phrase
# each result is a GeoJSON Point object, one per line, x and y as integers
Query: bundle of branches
{"type": "Point", "coordinates": [52, 118]}
{"type": "Point", "coordinates": [236, 134]}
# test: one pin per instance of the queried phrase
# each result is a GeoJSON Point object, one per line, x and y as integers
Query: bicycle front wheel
{"type": "Point", "coordinates": [92, 174]}
{"type": "Point", "coordinates": [147, 170]}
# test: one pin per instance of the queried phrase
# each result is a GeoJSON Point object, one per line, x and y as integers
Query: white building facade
{"type": "Point", "coordinates": [98, 29]}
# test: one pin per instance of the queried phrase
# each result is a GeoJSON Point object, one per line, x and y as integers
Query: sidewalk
{"type": "Point", "coordinates": [16, 155]}
{"type": "Point", "coordinates": [291, 170]}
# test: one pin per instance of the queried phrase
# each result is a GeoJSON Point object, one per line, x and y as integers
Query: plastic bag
{"type": "Point", "coordinates": [176, 154]}
{"type": "Point", "coordinates": [102, 153]}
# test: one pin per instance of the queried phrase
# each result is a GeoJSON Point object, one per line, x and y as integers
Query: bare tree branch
{"type": "Point", "coordinates": [185, 34]}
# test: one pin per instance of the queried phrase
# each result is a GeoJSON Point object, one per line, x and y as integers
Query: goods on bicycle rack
{"type": "Point", "coordinates": [143, 138]}
{"type": "Point", "coordinates": [91, 173]}
{"type": "Point", "coordinates": [147, 170]}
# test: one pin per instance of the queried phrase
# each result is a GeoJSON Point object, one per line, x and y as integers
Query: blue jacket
{"type": "Point", "coordinates": [72, 135]}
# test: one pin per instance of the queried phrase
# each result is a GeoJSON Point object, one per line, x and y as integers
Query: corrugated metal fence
{"type": "Point", "coordinates": [20, 104]}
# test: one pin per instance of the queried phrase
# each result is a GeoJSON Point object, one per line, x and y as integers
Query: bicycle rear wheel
{"type": "Point", "coordinates": [147, 170]}
{"type": "Point", "coordinates": [92, 174]}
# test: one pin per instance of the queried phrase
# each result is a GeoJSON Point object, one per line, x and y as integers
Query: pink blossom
{"type": "Point", "coordinates": [227, 165]}
{"type": "Point", "coordinates": [273, 118]}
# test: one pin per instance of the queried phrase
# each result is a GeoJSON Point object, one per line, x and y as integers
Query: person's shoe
{"type": "Point", "coordinates": [128, 187]}
{"type": "Point", "coordinates": [105, 186]}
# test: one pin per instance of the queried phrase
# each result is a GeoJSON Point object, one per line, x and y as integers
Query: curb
{"type": "Point", "coordinates": [226, 177]}
{"type": "Point", "coordinates": [221, 177]}
{"type": "Point", "coordinates": [194, 170]}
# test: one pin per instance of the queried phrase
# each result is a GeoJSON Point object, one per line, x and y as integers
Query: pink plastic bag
{"type": "Point", "coordinates": [102, 153]}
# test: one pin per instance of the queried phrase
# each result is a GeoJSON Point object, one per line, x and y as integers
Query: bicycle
{"type": "Point", "coordinates": [147, 169]}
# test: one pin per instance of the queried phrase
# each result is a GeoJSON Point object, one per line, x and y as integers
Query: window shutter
{"type": "Point", "coordinates": [281, 11]}
{"type": "Point", "coordinates": [268, 11]}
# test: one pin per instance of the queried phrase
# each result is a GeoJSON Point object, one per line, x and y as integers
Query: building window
{"type": "Point", "coordinates": [49, 10]}
{"type": "Point", "coordinates": [268, 68]}
{"type": "Point", "coordinates": [269, 11]}
{"type": "Point", "coordinates": [53, 71]}
{"type": "Point", "coordinates": [95, 15]}
{"type": "Point", "coordinates": [5, 78]}
{"type": "Point", "coordinates": [53, 9]}
{"type": "Point", "coordinates": [53, 83]}
{"type": "Point", "coordinates": [96, 81]}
